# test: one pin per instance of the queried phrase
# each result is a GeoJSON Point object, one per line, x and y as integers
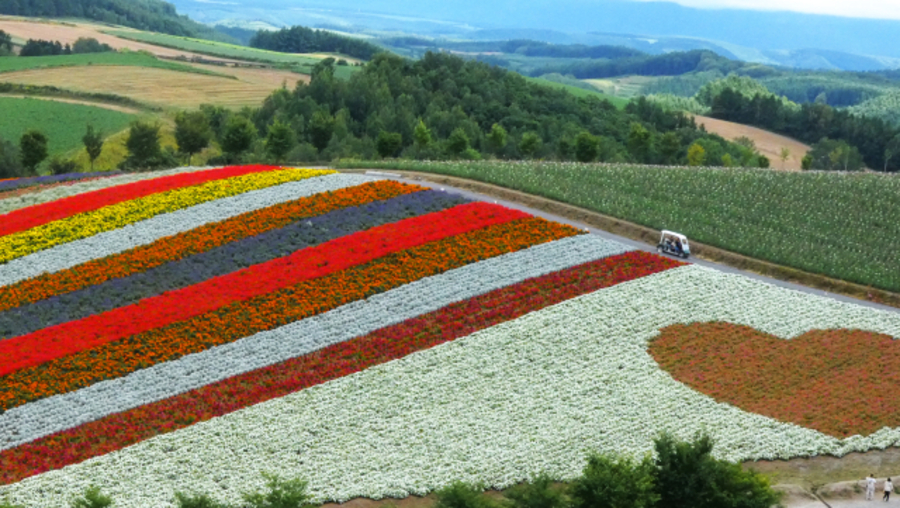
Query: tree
{"type": "Point", "coordinates": [727, 160]}
{"type": "Point", "coordinates": [587, 147]}
{"type": "Point", "coordinates": [458, 142]}
{"type": "Point", "coordinates": [93, 144]}
{"type": "Point", "coordinates": [321, 126]}
{"type": "Point", "coordinates": [89, 45]}
{"type": "Point", "coordinates": [497, 138]}
{"type": "Point", "coordinates": [806, 162]}
{"type": "Point", "coordinates": [696, 155]}
{"type": "Point", "coordinates": [785, 154]}
{"type": "Point", "coordinates": [33, 147]}
{"type": "Point", "coordinates": [6, 45]}
{"type": "Point", "coordinates": [891, 149]}
{"type": "Point", "coordinates": [422, 135]}
{"type": "Point", "coordinates": [92, 498]}
{"type": "Point", "coordinates": [280, 140]}
{"type": "Point", "coordinates": [669, 146]}
{"type": "Point", "coordinates": [639, 142]}
{"type": "Point", "coordinates": [687, 476]}
{"type": "Point", "coordinates": [835, 155]}
{"type": "Point", "coordinates": [238, 136]}
{"type": "Point", "coordinates": [529, 144]}
{"type": "Point", "coordinates": [192, 132]}
{"type": "Point", "coordinates": [143, 145]}
{"type": "Point", "coordinates": [10, 161]}
{"type": "Point", "coordinates": [615, 482]}
{"type": "Point", "coordinates": [388, 144]}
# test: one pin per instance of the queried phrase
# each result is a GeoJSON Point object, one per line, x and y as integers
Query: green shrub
{"type": "Point", "coordinates": [615, 482]}
{"type": "Point", "coordinates": [183, 500]}
{"type": "Point", "coordinates": [281, 494]}
{"type": "Point", "coordinates": [462, 495]}
{"type": "Point", "coordinates": [538, 493]}
{"type": "Point", "coordinates": [92, 498]}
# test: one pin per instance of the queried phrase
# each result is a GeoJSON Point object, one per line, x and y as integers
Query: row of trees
{"type": "Point", "coordinates": [873, 138]}
{"type": "Point", "coordinates": [680, 475]}
{"type": "Point", "coordinates": [32, 150]}
{"type": "Point", "coordinates": [299, 39]}
{"type": "Point", "coordinates": [39, 47]}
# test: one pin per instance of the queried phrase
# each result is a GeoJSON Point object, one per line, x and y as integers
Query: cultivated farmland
{"type": "Point", "coordinates": [164, 87]}
{"type": "Point", "coordinates": [814, 221]}
{"type": "Point", "coordinates": [63, 123]}
{"type": "Point", "coordinates": [191, 329]}
{"type": "Point", "coordinates": [95, 59]}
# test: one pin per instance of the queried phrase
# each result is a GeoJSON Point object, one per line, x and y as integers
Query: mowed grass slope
{"type": "Point", "coordinates": [843, 225]}
{"type": "Point", "coordinates": [618, 102]}
{"type": "Point", "coordinates": [63, 123]}
{"type": "Point", "coordinates": [131, 59]}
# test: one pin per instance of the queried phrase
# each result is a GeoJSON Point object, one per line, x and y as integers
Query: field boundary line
{"type": "Point", "coordinates": [648, 235]}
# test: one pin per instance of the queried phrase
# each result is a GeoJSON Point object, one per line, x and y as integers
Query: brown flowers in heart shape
{"type": "Point", "coordinates": [839, 382]}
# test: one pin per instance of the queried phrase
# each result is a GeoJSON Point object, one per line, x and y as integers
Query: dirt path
{"type": "Point", "coordinates": [768, 143]}
{"type": "Point", "coordinates": [104, 105]}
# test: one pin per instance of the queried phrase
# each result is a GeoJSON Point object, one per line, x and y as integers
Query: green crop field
{"type": "Point", "coordinates": [219, 49]}
{"type": "Point", "coordinates": [131, 59]}
{"type": "Point", "coordinates": [581, 92]}
{"type": "Point", "coordinates": [843, 225]}
{"type": "Point", "coordinates": [63, 124]}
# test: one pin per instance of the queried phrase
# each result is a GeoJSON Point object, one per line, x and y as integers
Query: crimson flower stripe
{"type": "Point", "coordinates": [446, 324]}
{"type": "Point", "coordinates": [38, 215]}
{"type": "Point", "coordinates": [74, 336]}
{"type": "Point", "coordinates": [221, 260]}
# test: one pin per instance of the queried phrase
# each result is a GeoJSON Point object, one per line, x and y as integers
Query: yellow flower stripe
{"type": "Point", "coordinates": [122, 214]}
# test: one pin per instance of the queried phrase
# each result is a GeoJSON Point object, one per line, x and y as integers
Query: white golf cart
{"type": "Point", "coordinates": [673, 243]}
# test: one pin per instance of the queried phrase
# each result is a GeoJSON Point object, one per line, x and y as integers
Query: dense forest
{"type": "Point", "coordinates": [153, 15]}
{"type": "Point", "coordinates": [445, 107]}
{"type": "Point", "coordinates": [300, 39]}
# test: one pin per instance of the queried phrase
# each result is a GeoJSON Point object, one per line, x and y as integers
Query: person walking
{"type": "Point", "coordinates": [888, 488]}
{"type": "Point", "coordinates": [870, 487]}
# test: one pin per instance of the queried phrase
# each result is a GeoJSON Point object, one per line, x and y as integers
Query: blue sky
{"type": "Point", "coordinates": [883, 9]}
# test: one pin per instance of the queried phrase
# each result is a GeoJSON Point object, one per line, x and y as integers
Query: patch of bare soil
{"type": "Point", "coordinates": [67, 33]}
{"type": "Point", "coordinates": [768, 143]}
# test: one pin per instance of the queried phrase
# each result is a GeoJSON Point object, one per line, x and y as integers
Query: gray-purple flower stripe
{"type": "Point", "coordinates": [53, 414]}
{"type": "Point", "coordinates": [219, 261]}
{"type": "Point", "coordinates": [72, 254]}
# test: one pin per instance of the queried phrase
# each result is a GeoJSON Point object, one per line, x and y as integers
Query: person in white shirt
{"type": "Point", "coordinates": [870, 487]}
{"type": "Point", "coordinates": [888, 488]}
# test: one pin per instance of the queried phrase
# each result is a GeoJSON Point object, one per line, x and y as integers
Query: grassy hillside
{"type": "Point", "coordinates": [814, 221]}
{"type": "Point", "coordinates": [63, 124]}
{"type": "Point", "coordinates": [131, 59]}
{"type": "Point", "coordinates": [618, 102]}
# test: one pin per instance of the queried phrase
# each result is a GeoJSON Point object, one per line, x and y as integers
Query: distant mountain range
{"type": "Point", "coordinates": [778, 38]}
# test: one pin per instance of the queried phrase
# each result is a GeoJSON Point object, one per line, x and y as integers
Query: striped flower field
{"type": "Point", "coordinates": [191, 330]}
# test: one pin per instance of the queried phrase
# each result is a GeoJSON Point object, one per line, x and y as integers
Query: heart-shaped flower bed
{"type": "Point", "coordinates": [839, 382]}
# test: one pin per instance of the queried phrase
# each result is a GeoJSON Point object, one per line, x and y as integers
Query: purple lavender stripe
{"type": "Point", "coordinates": [19, 183]}
{"type": "Point", "coordinates": [219, 261]}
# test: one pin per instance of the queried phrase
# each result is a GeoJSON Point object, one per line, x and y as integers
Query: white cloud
{"type": "Point", "coordinates": [880, 9]}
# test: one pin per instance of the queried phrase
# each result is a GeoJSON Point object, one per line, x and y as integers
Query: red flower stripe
{"type": "Point", "coordinates": [38, 215]}
{"type": "Point", "coordinates": [74, 336]}
{"type": "Point", "coordinates": [196, 241]}
{"type": "Point", "coordinates": [272, 310]}
{"type": "Point", "coordinates": [446, 324]}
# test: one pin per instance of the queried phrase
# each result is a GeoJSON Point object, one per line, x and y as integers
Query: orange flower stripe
{"type": "Point", "coordinates": [196, 241]}
{"type": "Point", "coordinates": [266, 312]}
